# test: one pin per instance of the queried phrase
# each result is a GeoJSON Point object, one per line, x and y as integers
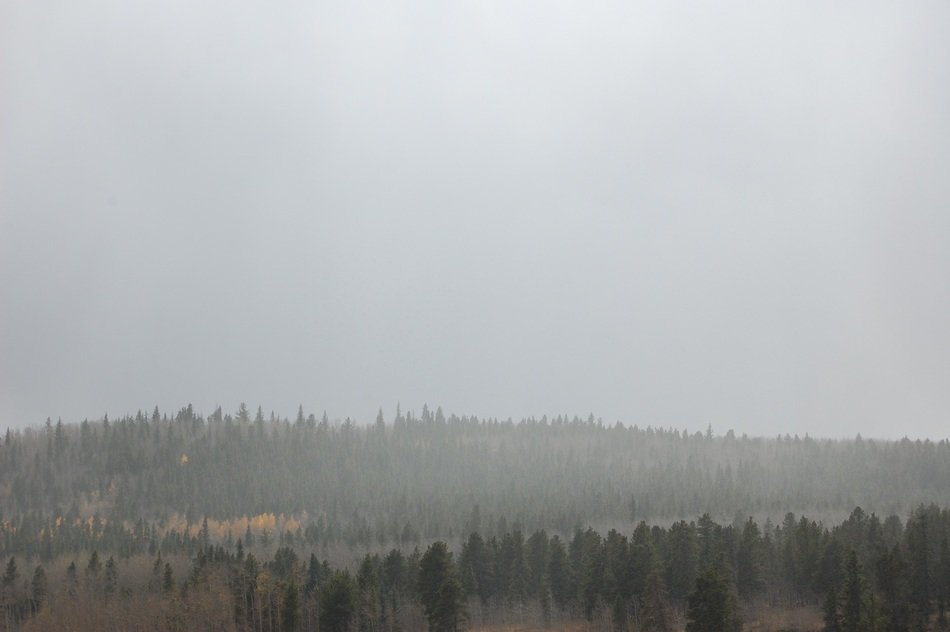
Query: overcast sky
{"type": "Point", "coordinates": [681, 214]}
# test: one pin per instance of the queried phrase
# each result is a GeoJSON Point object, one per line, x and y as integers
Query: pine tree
{"type": "Point", "coordinates": [393, 577]}
{"type": "Point", "coordinates": [440, 590]}
{"type": "Point", "coordinates": [853, 604]}
{"type": "Point", "coordinates": [11, 574]}
{"type": "Point", "coordinates": [749, 561]}
{"type": "Point", "coordinates": [313, 576]}
{"type": "Point", "coordinates": [712, 606]}
{"type": "Point", "coordinates": [683, 560]}
{"type": "Point", "coordinates": [656, 614]}
{"type": "Point", "coordinates": [72, 579]}
{"type": "Point", "coordinates": [204, 536]}
{"type": "Point", "coordinates": [831, 611]}
{"type": "Point", "coordinates": [337, 603]}
{"type": "Point", "coordinates": [891, 575]}
{"type": "Point", "coordinates": [476, 568]}
{"type": "Point", "coordinates": [918, 537]}
{"type": "Point", "coordinates": [94, 565]}
{"type": "Point", "coordinates": [559, 570]}
{"type": "Point", "coordinates": [8, 583]}
{"type": "Point", "coordinates": [39, 587]}
{"type": "Point", "coordinates": [168, 580]}
{"type": "Point", "coordinates": [290, 613]}
{"type": "Point", "coordinates": [111, 577]}
{"type": "Point", "coordinates": [367, 584]}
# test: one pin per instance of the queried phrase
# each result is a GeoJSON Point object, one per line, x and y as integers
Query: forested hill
{"type": "Point", "coordinates": [414, 479]}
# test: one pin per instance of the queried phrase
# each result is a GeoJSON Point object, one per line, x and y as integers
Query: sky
{"type": "Point", "coordinates": [733, 214]}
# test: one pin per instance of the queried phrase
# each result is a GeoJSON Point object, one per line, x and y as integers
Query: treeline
{"type": "Point", "coordinates": [863, 574]}
{"type": "Point", "coordinates": [123, 484]}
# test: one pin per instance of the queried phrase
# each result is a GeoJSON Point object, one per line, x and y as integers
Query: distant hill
{"type": "Point", "coordinates": [414, 479]}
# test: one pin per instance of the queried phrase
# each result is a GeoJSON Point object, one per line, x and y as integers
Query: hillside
{"type": "Point", "coordinates": [433, 476]}
{"type": "Point", "coordinates": [237, 521]}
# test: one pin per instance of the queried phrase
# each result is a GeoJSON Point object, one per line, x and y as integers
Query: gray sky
{"type": "Point", "coordinates": [691, 213]}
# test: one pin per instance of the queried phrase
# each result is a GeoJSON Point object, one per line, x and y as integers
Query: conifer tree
{"type": "Point", "coordinates": [72, 579]}
{"type": "Point", "coordinates": [94, 565]}
{"type": "Point", "coordinates": [440, 590]}
{"type": "Point", "coordinates": [39, 588]}
{"type": "Point", "coordinates": [111, 577]}
{"type": "Point", "coordinates": [168, 580]}
{"type": "Point", "coordinates": [749, 561]}
{"type": "Point", "coordinates": [8, 583]}
{"type": "Point", "coordinates": [290, 613]}
{"type": "Point", "coordinates": [853, 604]}
{"type": "Point", "coordinates": [891, 575]}
{"type": "Point", "coordinates": [712, 606]}
{"type": "Point", "coordinates": [337, 603]}
{"type": "Point", "coordinates": [559, 570]}
{"type": "Point", "coordinates": [656, 614]}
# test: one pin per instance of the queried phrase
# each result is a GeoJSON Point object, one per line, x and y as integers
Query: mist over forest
{"type": "Point", "coordinates": [442, 521]}
{"type": "Point", "coordinates": [723, 227]}
{"type": "Point", "coordinates": [432, 475]}
{"type": "Point", "coordinates": [669, 215]}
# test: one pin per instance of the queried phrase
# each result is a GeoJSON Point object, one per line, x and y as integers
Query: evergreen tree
{"type": "Point", "coordinates": [891, 575]}
{"type": "Point", "coordinates": [918, 537]}
{"type": "Point", "coordinates": [476, 568]}
{"type": "Point", "coordinates": [656, 614]}
{"type": "Point", "coordinates": [943, 579]}
{"type": "Point", "coordinates": [369, 612]}
{"type": "Point", "coordinates": [290, 613]}
{"type": "Point", "coordinates": [712, 606]}
{"type": "Point", "coordinates": [440, 590]}
{"type": "Point", "coordinates": [39, 587]}
{"type": "Point", "coordinates": [853, 601]}
{"type": "Point", "coordinates": [11, 574]}
{"type": "Point", "coordinates": [337, 603]}
{"type": "Point", "coordinates": [393, 576]}
{"type": "Point", "coordinates": [168, 580]}
{"type": "Point", "coordinates": [642, 558]}
{"type": "Point", "coordinates": [72, 579]}
{"type": "Point", "coordinates": [94, 565]}
{"type": "Point", "coordinates": [749, 561]}
{"type": "Point", "coordinates": [559, 570]}
{"type": "Point", "coordinates": [313, 576]}
{"type": "Point", "coordinates": [831, 611]}
{"type": "Point", "coordinates": [8, 583]}
{"type": "Point", "coordinates": [204, 536]}
{"type": "Point", "coordinates": [111, 577]}
{"type": "Point", "coordinates": [683, 560]}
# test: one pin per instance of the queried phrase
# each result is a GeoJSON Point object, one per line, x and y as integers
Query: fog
{"type": "Point", "coordinates": [732, 214]}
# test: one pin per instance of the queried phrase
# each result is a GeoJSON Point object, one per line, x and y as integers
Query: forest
{"type": "Point", "coordinates": [241, 521]}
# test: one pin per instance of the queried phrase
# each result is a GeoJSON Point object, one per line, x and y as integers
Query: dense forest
{"type": "Point", "coordinates": [241, 521]}
{"type": "Point", "coordinates": [861, 575]}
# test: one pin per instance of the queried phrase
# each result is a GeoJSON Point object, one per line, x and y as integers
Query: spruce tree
{"type": "Point", "coordinates": [712, 605]}
{"type": "Point", "coordinates": [656, 614]}
{"type": "Point", "coordinates": [440, 590]}
{"type": "Point", "coordinates": [168, 580]}
{"type": "Point", "coordinates": [337, 603]}
{"type": "Point", "coordinates": [39, 587]}
{"type": "Point", "coordinates": [290, 613]}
